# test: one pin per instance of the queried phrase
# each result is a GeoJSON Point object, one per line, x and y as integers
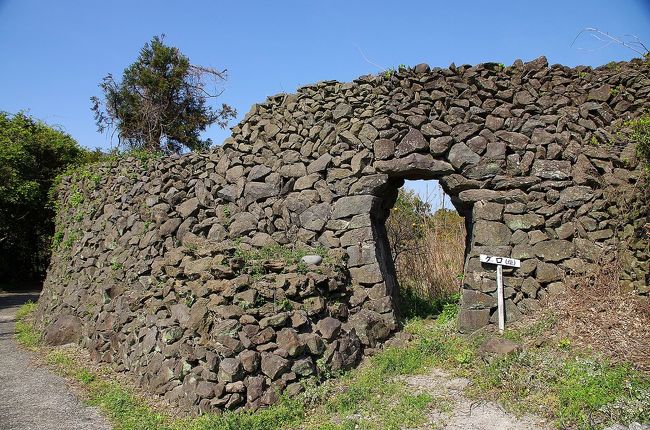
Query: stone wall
{"type": "Point", "coordinates": [185, 271]}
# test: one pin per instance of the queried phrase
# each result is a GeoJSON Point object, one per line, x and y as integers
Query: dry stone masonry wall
{"type": "Point", "coordinates": [186, 272]}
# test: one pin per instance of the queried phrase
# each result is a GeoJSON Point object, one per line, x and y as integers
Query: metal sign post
{"type": "Point", "coordinates": [500, 262]}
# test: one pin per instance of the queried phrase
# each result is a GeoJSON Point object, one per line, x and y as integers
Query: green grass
{"type": "Point", "coordinates": [586, 387]}
{"type": "Point", "coordinates": [371, 398]}
{"type": "Point", "coordinates": [414, 305]}
{"type": "Point", "coordinates": [26, 333]}
{"type": "Point", "coordinates": [641, 135]}
{"type": "Point", "coordinates": [26, 310]}
{"type": "Point", "coordinates": [575, 391]}
{"type": "Point", "coordinates": [573, 388]}
{"type": "Point", "coordinates": [286, 414]}
{"type": "Point", "coordinates": [254, 259]}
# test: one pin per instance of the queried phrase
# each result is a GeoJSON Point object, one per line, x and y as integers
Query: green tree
{"type": "Point", "coordinates": [161, 102]}
{"type": "Point", "coordinates": [32, 154]}
{"type": "Point", "coordinates": [406, 225]}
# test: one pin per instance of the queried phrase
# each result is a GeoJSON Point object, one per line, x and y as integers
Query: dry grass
{"type": "Point", "coordinates": [434, 268]}
{"type": "Point", "coordinates": [597, 313]}
{"type": "Point", "coordinates": [428, 248]}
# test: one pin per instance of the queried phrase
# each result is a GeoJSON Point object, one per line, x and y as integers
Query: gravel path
{"type": "Point", "coordinates": [32, 398]}
{"type": "Point", "coordinates": [462, 413]}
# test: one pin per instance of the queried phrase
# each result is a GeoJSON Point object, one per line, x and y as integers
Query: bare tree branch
{"type": "Point", "coordinates": [609, 39]}
{"type": "Point", "coordinates": [383, 69]}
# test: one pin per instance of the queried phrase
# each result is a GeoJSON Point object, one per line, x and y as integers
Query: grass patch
{"type": "Point", "coordinates": [641, 135]}
{"type": "Point", "coordinates": [413, 305]}
{"type": "Point", "coordinates": [255, 259]}
{"type": "Point", "coordinates": [26, 334]}
{"type": "Point", "coordinates": [26, 310]}
{"type": "Point", "coordinates": [587, 387]}
{"type": "Point", "coordinates": [573, 390]}
{"type": "Point", "coordinates": [123, 408]}
{"type": "Point", "coordinates": [371, 398]}
{"type": "Point", "coordinates": [286, 414]}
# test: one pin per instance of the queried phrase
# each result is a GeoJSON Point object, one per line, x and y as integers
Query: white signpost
{"type": "Point", "coordinates": [500, 262]}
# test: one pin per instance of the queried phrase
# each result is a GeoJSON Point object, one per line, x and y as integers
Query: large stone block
{"type": "Point", "coordinates": [552, 169]}
{"type": "Point", "coordinates": [372, 184]}
{"type": "Point", "coordinates": [361, 254]}
{"type": "Point", "coordinates": [575, 196]}
{"type": "Point", "coordinates": [242, 223]}
{"type": "Point", "coordinates": [472, 299]}
{"type": "Point", "coordinates": [368, 274]}
{"type": "Point", "coordinates": [260, 190]}
{"type": "Point", "coordinates": [470, 320]}
{"type": "Point", "coordinates": [65, 329]}
{"type": "Point", "coordinates": [488, 211]}
{"type": "Point", "coordinates": [354, 205]}
{"type": "Point", "coordinates": [460, 156]}
{"type": "Point", "coordinates": [523, 222]}
{"type": "Point", "coordinates": [413, 141]}
{"type": "Point", "coordinates": [414, 166]}
{"type": "Point", "coordinates": [491, 233]}
{"type": "Point", "coordinates": [554, 250]}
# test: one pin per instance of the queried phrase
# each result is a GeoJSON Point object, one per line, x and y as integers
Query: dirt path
{"type": "Point", "coordinates": [460, 413]}
{"type": "Point", "coordinates": [32, 398]}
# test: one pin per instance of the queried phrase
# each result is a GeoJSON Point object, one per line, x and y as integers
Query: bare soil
{"type": "Point", "coordinates": [457, 412]}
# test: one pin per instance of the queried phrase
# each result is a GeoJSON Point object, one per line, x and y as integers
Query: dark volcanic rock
{"type": "Point", "coordinates": [187, 272]}
{"type": "Point", "coordinates": [65, 329]}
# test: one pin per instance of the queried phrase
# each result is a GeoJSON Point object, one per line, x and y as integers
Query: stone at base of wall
{"type": "Point", "coordinates": [185, 271]}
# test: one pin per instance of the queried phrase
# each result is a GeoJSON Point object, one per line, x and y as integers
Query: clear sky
{"type": "Point", "coordinates": [54, 53]}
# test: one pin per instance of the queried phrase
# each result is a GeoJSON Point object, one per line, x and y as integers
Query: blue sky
{"type": "Point", "coordinates": [54, 53]}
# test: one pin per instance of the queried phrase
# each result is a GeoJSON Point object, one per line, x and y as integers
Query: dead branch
{"type": "Point", "coordinates": [609, 39]}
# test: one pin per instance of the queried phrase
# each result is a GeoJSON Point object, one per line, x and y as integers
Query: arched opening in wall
{"type": "Point", "coordinates": [427, 241]}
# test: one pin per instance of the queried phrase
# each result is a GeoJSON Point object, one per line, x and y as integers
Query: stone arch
{"type": "Point", "coordinates": [410, 166]}
{"type": "Point", "coordinates": [530, 155]}
{"type": "Point", "coordinates": [510, 146]}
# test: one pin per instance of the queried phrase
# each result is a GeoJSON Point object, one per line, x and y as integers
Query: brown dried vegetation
{"type": "Point", "coordinates": [428, 248]}
{"type": "Point", "coordinates": [598, 313]}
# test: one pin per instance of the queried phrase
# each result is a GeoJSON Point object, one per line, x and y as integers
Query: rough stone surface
{"type": "Point", "coordinates": [65, 329]}
{"type": "Point", "coordinates": [498, 346]}
{"type": "Point", "coordinates": [172, 266]}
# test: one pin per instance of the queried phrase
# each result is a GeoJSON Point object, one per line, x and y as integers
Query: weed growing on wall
{"type": "Point", "coordinates": [255, 259]}
{"type": "Point", "coordinates": [641, 135]}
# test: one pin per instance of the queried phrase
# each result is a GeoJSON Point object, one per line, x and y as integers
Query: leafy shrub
{"type": "Point", "coordinates": [32, 154]}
